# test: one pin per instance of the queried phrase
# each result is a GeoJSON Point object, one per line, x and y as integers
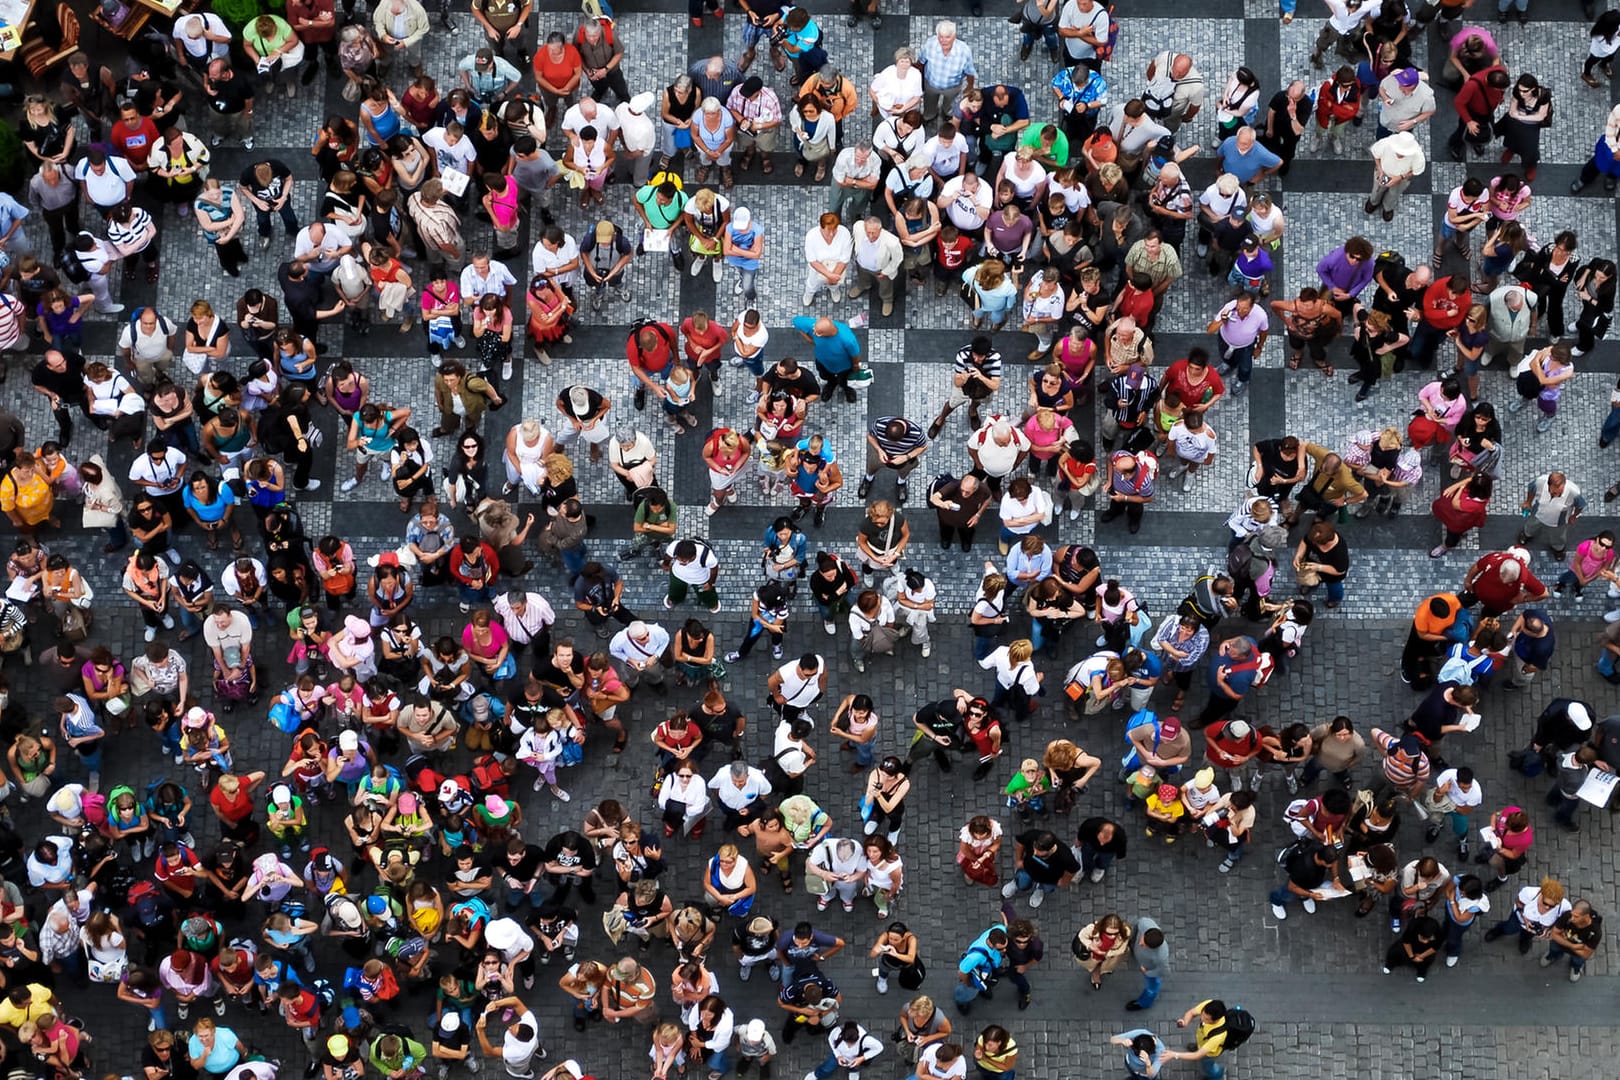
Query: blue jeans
{"type": "Point", "coordinates": [1151, 984]}
{"type": "Point", "coordinates": [826, 1068]}
{"type": "Point", "coordinates": [1283, 895]}
{"type": "Point", "coordinates": [516, 898]}
{"type": "Point", "coordinates": [1454, 934]}
{"type": "Point", "coordinates": [1046, 32]}
{"type": "Point", "coordinates": [171, 739]}
{"type": "Point", "coordinates": [1026, 883]}
{"type": "Point", "coordinates": [574, 560]}
{"type": "Point", "coordinates": [984, 645]}
{"type": "Point", "coordinates": [156, 1014]}
{"type": "Point", "coordinates": [1611, 426]}
{"type": "Point", "coordinates": [189, 622]}
{"type": "Point", "coordinates": [1210, 1069]}
{"type": "Point", "coordinates": [865, 753]}
{"type": "Point", "coordinates": [1576, 963]}
{"type": "Point", "coordinates": [718, 1062]}
{"type": "Point", "coordinates": [1335, 590]}
{"type": "Point", "coordinates": [467, 594]}
{"type": "Point", "coordinates": [964, 994]}
{"type": "Point", "coordinates": [1241, 359]}
{"type": "Point", "coordinates": [1092, 858]}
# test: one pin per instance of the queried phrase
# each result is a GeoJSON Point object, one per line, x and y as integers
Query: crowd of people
{"type": "Point", "coordinates": [393, 826]}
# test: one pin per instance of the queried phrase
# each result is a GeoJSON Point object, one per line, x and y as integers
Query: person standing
{"type": "Point", "coordinates": [1152, 957]}
{"type": "Point", "coordinates": [1397, 161]}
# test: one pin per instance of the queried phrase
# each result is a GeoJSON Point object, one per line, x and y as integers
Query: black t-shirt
{"type": "Point", "coordinates": [526, 867]}
{"type": "Point", "coordinates": [1279, 105]}
{"type": "Point", "coordinates": [1272, 462]}
{"type": "Point", "coordinates": [578, 853]}
{"type": "Point", "coordinates": [1087, 834]}
{"type": "Point", "coordinates": [716, 727]}
{"type": "Point", "coordinates": [825, 591]}
{"type": "Point", "coordinates": [1433, 713]}
{"type": "Point", "coordinates": [232, 95]}
{"type": "Point", "coordinates": [1588, 935]}
{"type": "Point", "coordinates": [940, 717]}
{"type": "Point", "coordinates": [593, 403]}
{"type": "Point", "coordinates": [31, 290]}
{"type": "Point", "coordinates": [1303, 870]}
{"type": "Point", "coordinates": [801, 384]}
{"type": "Point", "coordinates": [68, 384]}
{"type": "Point", "coordinates": [280, 176]}
{"type": "Point", "coordinates": [1046, 869]}
{"type": "Point", "coordinates": [302, 297]}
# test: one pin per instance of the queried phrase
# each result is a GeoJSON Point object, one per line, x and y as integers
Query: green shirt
{"type": "Point", "coordinates": [661, 217]}
{"type": "Point", "coordinates": [646, 515]}
{"type": "Point", "coordinates": [1060, 145]}
{"type": "Point", "coordinates": [264, 46]}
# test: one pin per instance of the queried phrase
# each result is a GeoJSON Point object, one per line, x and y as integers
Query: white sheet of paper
{"type": "Point", "coordinates": [1598, 787]}
{"type": "Point", "coordinates": [655, 240]}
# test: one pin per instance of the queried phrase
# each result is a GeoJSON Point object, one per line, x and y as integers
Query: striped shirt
{"type": "Point", "coordinates": [126, 234]}
{"type": "Point", "coordinates": [943, 70]}
{"type": "Point", "coordinates": [913, 437]}
{"type": "Point", "coordinates": [1402, 773]}
{"type": "Point", "coordinates": [990, 369]}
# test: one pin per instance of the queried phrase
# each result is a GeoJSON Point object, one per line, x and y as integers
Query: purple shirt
{"type": "Point", "coordinates": [1240, 332]}
{"type": "Point", "coordinates": [1338, 272]}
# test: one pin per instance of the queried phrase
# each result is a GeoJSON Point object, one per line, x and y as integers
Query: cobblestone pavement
{"type": "Point", "coordinates": [1323, 1006]}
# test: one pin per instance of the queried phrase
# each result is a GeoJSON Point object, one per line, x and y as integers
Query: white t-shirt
{"type": "Point", "coordinates": [930, 1055]}
{"type": "Point", "coordinates": [997, 460]}
{"type": "Point", "coordinates": [1529, 911]}
{"type": "Point", "coordinates": [1193, 446]}
{"type": "Point", "coordinates": [966, 211]}
{"type": "Point", "coordinates": [605, 121]}
{"type": "Point", "coordinates": [1474, 796]}
{"type": "Point", "coordinates": [946, 158]}
{"type": "Point", "coordinates": [459, 157]}
{"type": "Point", "coordinates": [890, 90]}
{"type": "Point", "coordinates": [697, 571]}
{"type": "Point", "coordinates": [544, 260]}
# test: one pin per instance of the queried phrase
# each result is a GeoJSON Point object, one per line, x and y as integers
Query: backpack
{"type": "Point", "coordinates": [1238, 1023]}
{"type": "Point", "coordinates": [1105, 50]}
{"type": "Point", "coordinates": [143, 901]}
{"type": "Point", "coordinates": [324, 992]}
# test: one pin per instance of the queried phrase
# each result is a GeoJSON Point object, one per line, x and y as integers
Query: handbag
{"type": "Point", "coordinates": [106, 971]}
{"type": "Point", "coordinates": [815, 884]}
{"type": "Point", "coordinates": [118, 706]}
{"type": "Point", "coordinates": [912, 975]}
{"type": "Point", "coordinates": [507, 669]}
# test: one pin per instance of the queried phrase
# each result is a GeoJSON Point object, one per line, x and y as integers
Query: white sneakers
{"type": "Point", "coordinates": [349, 485]}
{"type": "Point", "coordinates": [1279, 912]}
{"type": "Point", "coordinates": [1309, 905]}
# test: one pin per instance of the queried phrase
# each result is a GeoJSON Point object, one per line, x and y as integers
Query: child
{"type": "Point", "coordinates": [667, 1053]}
{"type": "Point", "coordinates": [681, 388]}
{"type": "Point", "coordinates": [1026, 791]}
{"type": "Point", "coordinates": [755, 1046]}
{"type": "Point", "coordinates": [1142, 782]}
{"type": "Point", "coordinates": [1165, 811]}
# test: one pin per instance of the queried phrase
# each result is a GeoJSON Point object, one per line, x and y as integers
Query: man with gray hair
{"type": "Point", "coordinates": [639, 649]}
{"type": "Point", "coordinates": [740, 789]}
{"type": "Point", "coordinates": [526, 617]}
{"type": "Point", "coordinates": [855, 176]}
{"type": "Point", "coordinates": [715, 77]}
{"type": "Point", "coordinates": [1512, 308]}
{"type": "Point", "coordinates": [1552, 503]}
{"type": "Point", "coordinates": [947, 67]}
{"type": "Point", "coordinates": [1175, 89]}
{"type": "Point", "coordinates": [878, 255]}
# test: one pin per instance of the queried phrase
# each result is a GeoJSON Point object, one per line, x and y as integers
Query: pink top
{"type": "Point", "coordinates": [1450, 412]}
{"type": "Point", "coordinates": [1518, 841]}
{"type": "Point", "coordinates": [1506, 206]}
{"type": "Point", "coordinates": [497, 641]}
{"type": "Point", "coordinates": [1589, 558]}
{"type": "Point", "coordinates": [452, 295]}
{"type": "Point", "coordinates": [1044, 443]}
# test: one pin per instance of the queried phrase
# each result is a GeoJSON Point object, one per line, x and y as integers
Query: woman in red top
{"type": "Point", "coordinates": [1459, 508]}
{"type": "Point", "coordinates": [306, 763]}
{"type": "Point", "coordinates": [984, 730]}
{"type": "Point", "coordinates": [232, 802]}
{"type": "Point", "coordinates": [421, 102]}
{"type": "Point", "coordinates": [549, 308]}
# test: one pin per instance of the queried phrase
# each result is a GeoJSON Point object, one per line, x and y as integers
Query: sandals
{"type": "Point", "coordinates": [1177, 702]}
{"type": "Point", "coordinates": [1324, 367]}
{"type": "Point", "coordinates": [1293, 361]}
{"type": "Point", "coordinates": [798, 168]}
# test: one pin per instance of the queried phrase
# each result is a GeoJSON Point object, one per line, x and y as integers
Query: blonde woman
{"type": "Point", "coordinates": [49, 136]}
{"type": "Point", "coordinates": [1101, 945]}
{"type": "Point", "coordinates": [270, 43]}
{"type": "Point", "coordinates": [207, 339]}
{"type": "Point", "coordinates": [33, 763]}
{"type": "Point", "coordinates": [885, 873]}
{"type": "Point", "coordinates": [991, 294]}
{"type": "Point", "coordinates": [26, 496]}
{"type": "Point", "coordinates": [528, 445]}
{"type": "Point", "coordinates": [220, 215]}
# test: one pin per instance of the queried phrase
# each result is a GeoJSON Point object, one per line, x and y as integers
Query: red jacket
{"type": "Point", "coordinates": [1335, 107]}
{"type": "Point", "coordinates": [1478, 100]}
{"type": "Point", "coordinates": [1440, 309]}
{"type": "Point", "coordinates": [476, 575]}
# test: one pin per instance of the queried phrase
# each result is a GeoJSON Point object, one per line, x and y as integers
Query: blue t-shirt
{"type": "Point", "coordinates": [208, 513]}
{"type": "Point", "coordinates": [836, 353]}
{"type": "Point", "coordinates": [1239, 673]}
{"type": "Point", "coordinates": [1246, 166]}
{"type": "Point", "coordinates": [1133, 1064]}
{"type": "Point", "coordinates": [980, 954]}
{"type": "Point", "coordinates": [226, 1053]}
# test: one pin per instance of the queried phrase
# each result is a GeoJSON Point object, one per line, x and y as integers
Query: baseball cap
{"type": "Point", "coordinates": [754, 1030]}
{"type": "Point", "coordinates": [348, 740]}
{"type": "Point", "coordinates": [356, 626]}
{"type": "Point", "coordinates": [1204, 777]}
{"type": "Point", "coordinates": [338, 1046]}
{"type": "Point", "coordinates": [388, 558]}
{"type": "Point", "coordinates": [1408, 77]}
{"type": "Point", "coordinates": [1580, 717]}
{"type": "Point", "coordinates": [1169, 727]}
{"type": "Point", "coordinates": [1238, 729]}
{"type": "Point", "coordinates": [484, 55]}
{"type": "Point", "coordinates": [196, 715]}
{"type": "Point", "coordinates": [642, 102]}
{"type": "Point", "coordinates": [450, 1022]}
{"type": "Point", "coordinates": [1168, 792]}
{"type": "Point", "coordinates": [281, 795]}
{"type": "Point", "coordinates": [604, 231]}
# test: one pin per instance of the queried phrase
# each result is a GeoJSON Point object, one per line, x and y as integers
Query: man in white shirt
{"type": "Point", "coordinates": [797, 684]}
{"type": "Point", "coordinates": [319, 248]}
{"type": "Point", "coordinates": [160, 472]}
{"type": "Point", "coordinates": [877, 260]}
{"type": "Point", "coordinates": [1339, 32]}
{"type": "Point", "coordinates": [146, 343]}
{"type": "Point", "coordinates": [1453, 796]}
{"type": "Point", "coordinates": [966, 201]}
{"type": "Point", "coordinates": [108, 179]}
{"type": "Point", "coordinates": [202, 38]}
{"type": "Point", "coordinates": [1194, 442]}
{"type": "Point", "coordinates": [557, 257]}
{"type": "Point", "coordinates": [483, 275]}
{"type": "Point", "coordinates": [452, 149]}
{"type": "Point", "coordinates": [637, 135]}
{"type": "Point", "coordinates": [639, 647]}
{"type": "Point", "coordinates": [854, 177]}
{"type": "Point", "coordinates": [740, 789]}
{"type": "Point", "coordinates": [828, 249]}
{"type": "Point", "coordinates": [526, 617]}
{"type": "Point", "coordinates": [587, 112]}
{"type": "Point", "coordinates": [1083, 25]}
{"type": "Point", "coordinates": [97, 257]}
{"type": "Point", "coordinates": [997, 448]}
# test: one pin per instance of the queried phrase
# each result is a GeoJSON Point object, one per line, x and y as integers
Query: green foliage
{"type": "Point", "coordinates": [237, 13]}
{"type": "Point", "coordinates": [13, 159]}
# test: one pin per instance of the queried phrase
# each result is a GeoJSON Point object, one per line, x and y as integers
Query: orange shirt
{"type": "Point", "coordinates": [1425, 622]}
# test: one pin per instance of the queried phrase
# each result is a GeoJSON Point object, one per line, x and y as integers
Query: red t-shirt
{"type": "Point", "coordinates": [232, 810]}
{"type": "Point", "coordinates": [658, 357]}
{"type": "Point", "coordinates": [952, 256]}
{"type": "Point", "coordinates": [696, 342]}
{"type": "Point", "coordinates": [1175, 378]}
{"type": "Point", "coordinates": [557, 72]}
{"type": "Point", "coordinates": [1138, 305]}
{"type": "Point", "coordinates": [135, 145]}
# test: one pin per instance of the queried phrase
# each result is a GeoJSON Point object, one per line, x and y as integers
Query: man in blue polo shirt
{"type": "Point", "coordinates": [837, 351]}
{"type": "Point", "coordinates": [1244, 157]}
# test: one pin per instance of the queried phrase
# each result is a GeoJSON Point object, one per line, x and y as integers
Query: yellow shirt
{"type": "Point", "coordinates": [1175, 811]}
{"type": "Point", "coordinates": [30, 499]}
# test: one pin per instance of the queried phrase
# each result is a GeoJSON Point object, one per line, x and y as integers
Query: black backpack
{"type": "Point", "coordinates": [1238, 1025]}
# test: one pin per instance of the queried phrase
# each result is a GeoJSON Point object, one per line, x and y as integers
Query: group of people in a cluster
{"type": "Point", "coordinates": [391, 823]}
